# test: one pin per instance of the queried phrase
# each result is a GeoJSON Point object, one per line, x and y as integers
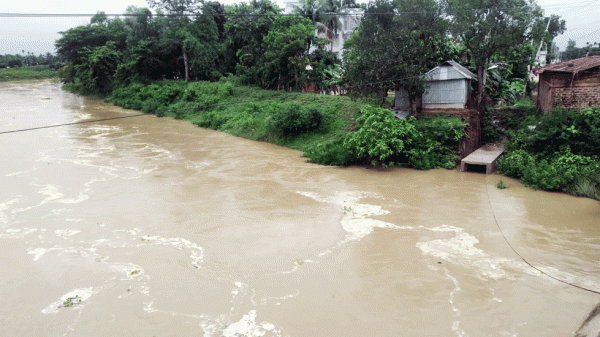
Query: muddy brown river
{"type": "Point", "coordinates": [149, 226]}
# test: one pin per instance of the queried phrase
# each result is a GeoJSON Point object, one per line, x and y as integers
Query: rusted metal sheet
{"type": "Point", "coordinates": [571, 67]}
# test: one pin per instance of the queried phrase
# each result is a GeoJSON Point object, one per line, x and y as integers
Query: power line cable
{"type": "Point", "coordinates": [34, 15]}
{"type": "Point", "coordinates": [521, 256]}
{"type": "Point", "coordinates": [199, 107]}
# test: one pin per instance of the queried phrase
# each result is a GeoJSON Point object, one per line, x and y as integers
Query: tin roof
{"type": "Point", "coordinates": [462, 71]}
{"type": "Point", "coordinates": [570, 67]}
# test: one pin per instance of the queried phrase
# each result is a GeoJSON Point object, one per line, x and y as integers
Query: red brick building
{"type": "Point", "coordinates": [573, 84]}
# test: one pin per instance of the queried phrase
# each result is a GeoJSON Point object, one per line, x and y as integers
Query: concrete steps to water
{"type": "Point", "coordinates": [485, 155]}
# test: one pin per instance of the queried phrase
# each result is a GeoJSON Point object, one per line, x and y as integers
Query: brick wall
{"type": "Point", "coordinates": [576, 97]}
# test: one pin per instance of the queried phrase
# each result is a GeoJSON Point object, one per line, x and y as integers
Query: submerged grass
{"type": "Point", "coordinates": [26, 73]}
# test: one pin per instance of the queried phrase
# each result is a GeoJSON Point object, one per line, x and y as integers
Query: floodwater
{"type": "Point", "coordinates": [154, 227]}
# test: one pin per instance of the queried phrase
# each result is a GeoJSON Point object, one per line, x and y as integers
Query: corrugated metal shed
{"type": "Point", "coordinates": [448, 87]}
{"type": "Point", "coordinates": [571, 66]}
{"type": "Point", "coordinates": [449, 70]}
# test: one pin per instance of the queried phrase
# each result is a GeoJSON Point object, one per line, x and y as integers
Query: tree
{"type": "Point", "coordinates": [487, 27]}
{"type": "Point", "coordinates": [547, 29]}
{"type": "Point", "coordinates": [286, 51]}
{"type": "Point", "coordinates": [394, 51]}
{"type": "Point", "coordinates": [245, 52]}
{"type": "Point", "coordinates": [309, 9]}
{"type": "Point", "coordinates": [178, 12]}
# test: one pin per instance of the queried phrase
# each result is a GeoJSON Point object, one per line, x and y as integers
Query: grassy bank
{"type": "Point", "coordinates": [26, 73]}
{"type": "Point", "coordinates": [328, 129]}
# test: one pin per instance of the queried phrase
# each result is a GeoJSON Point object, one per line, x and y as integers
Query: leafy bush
{"type": "Point", "coordinates": [437, 143]}
{"type": "Point", "coordinates": [330, 152]}
{"type": "Point", "coordinates": [293, 119]}
{"type": "Point", "coordinates": [380, 138]}
{"type": "Point", "coordinates": [515, 163]}
{"type": "Point", "coordinates": [565, 171]}
{"type": "Point", "coordinates": [579, 130]}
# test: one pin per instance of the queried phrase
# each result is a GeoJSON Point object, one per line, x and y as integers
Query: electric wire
{"type": "Point", "coordinates": [198, 107]}
{"type": "Point", "coordinates": [521, 256]}
{"type": "Point", "coordinates": [35, 15]}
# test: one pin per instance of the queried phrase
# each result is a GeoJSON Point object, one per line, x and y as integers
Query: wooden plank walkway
{"type": "Point", "coordinates": [485, 155]}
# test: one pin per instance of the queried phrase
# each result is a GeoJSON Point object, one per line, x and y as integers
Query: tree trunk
{"type": "Point", "coordinates": [186, 65]}
{"type": "Point", "coordinates": [481, 77]}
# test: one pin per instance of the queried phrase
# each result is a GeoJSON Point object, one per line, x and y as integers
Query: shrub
{"type": "Point", "coordinates": [294, 119]}
{"type": "Point", "coordinates": [437, 142]}
{"type": "Point", "coordinates": [380, 138]}
{"type": "Point", "coordinates": [330, 152]}
{"type": "Point", "coordinates": [515, 163]}
{"type": "Point", "coordinates": [579, 130]}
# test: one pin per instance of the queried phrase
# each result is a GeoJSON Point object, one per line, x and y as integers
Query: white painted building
{"type": "Point", "coordinates": [347, 22]}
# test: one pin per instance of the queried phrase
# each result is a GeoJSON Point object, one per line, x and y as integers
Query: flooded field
{"type": "Point", "coordinates": [145, 226]}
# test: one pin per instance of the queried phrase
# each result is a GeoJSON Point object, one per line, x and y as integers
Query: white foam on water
{"type": "Point", "coordinates": [129, 270]}
{"type": "Point", "coordinates": [83, 252]}
{"type": "Point", "coordinates": [38, 252]}
{"type": "Point", "coordinates": [196, 252]}
{"type": "Point", "coordinates": [13, 174]}
{"type": "Point", "coordinates": [51, 192]}
{"type": "Point", "coordinates": [80, 198]}
{"type": "Point", "coordinates": [78, 296]}
{"type": "Point", "coordinates": [356, 220]}
{"type": "Point", "coordinates": [148, 307]}
{"type": "Point", "coordinates": [461, 250]}
{"type": "Point", "coordinates": [17, 233]}
{"type": "Point", "coordinates": [5, 206]}
{"type": "Point", "coordinates": [247, 326]}
{"type": "Point", "coordinates": [66, 232]}
{"type": "Point", "coordinates": [194, 165]}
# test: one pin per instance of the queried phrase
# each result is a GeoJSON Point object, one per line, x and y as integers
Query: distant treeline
{"type": "Point", "coordinates": [29, 59]}
{"type": "Point", "coordinates": [573, 52]}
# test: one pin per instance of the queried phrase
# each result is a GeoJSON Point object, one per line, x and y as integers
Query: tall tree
{"type": "Point", "coordinates": [487, 27]}
{"type": "Point", "coordinates": [393, 51]}
{"type": "Point", "coordinates": [179, 12]}
{"type": "Point", "coordinates": [245, 33]}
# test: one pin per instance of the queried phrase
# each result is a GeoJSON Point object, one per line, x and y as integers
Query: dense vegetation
{"type": "Point", "coordinates": [554, 152]}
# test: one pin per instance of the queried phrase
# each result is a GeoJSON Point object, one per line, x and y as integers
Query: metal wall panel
{"type": "Point", "coordinates": [451, 93]}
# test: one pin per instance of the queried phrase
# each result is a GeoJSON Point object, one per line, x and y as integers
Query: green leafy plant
{"type": "Point", "coordinates": [69, 302]}
{"type": "Point", "coordinates": [501, 185]}
{"type": "Point", "coordinates": [293, 119]}
{"type": "Point", "coordinates": [380, 138]}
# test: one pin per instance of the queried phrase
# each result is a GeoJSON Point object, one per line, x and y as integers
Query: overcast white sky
{"type": "Point", "coordinates": [37, 35]}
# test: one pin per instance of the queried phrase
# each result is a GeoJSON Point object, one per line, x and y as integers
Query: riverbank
{"type": "Point", "coordinates": [335, 130]}
{"type": "Point", "coordinates": [27, 73]}
{"type": "Point", "coordinates": [557, 151]}
{"type": "Point", "coordinates": [321, 126]}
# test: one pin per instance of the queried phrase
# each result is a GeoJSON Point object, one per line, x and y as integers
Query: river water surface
{"type": "Point", "coordinates": [154, 227]}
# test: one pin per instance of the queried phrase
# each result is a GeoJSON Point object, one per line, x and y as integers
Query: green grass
{"type": "Point", "coordinates": [242, 111]}
{"type": "Point", "coordinates": [26, 73]}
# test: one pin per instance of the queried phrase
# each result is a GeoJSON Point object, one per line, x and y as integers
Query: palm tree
{"type": "Point", "coordinates": [309, 9]}
{"type": "Point", "coordinates": [331, 22]}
